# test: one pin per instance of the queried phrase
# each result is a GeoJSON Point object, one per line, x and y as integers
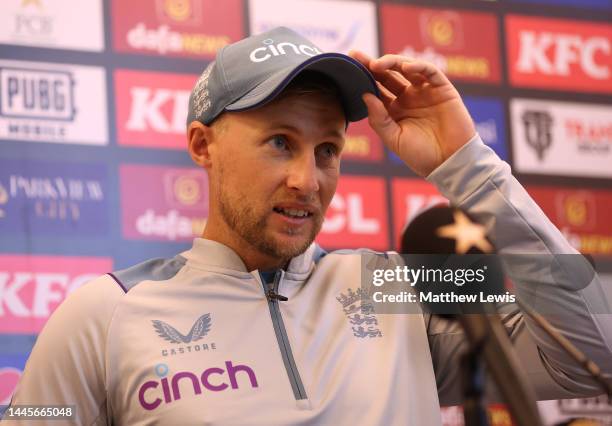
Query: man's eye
{"type": "Point", "coordinates": [329, 150]}
{"type": "Point", "coordinates": [279, 142]}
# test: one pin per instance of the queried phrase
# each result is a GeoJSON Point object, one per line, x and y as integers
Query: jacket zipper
{"type": "Point", "coordinates": [271, 291]}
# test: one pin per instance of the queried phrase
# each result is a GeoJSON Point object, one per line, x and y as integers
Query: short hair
{"type": "Point", "coordinates": [308, 82]}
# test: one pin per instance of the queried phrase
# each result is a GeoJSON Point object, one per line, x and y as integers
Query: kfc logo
{"type": "Point", "coordinates": [152, 108]}
{"type": "Point", "coordinates": [31, 287]}
{"type": "Point", "coordinates": [187, 28]}
{"type": "Point", "coordinates": [551, 137]}
{"type": "Point", "coordinates": [559, 54]}
{"type": "Point", "coordinates": [176, 213]}
{"type": "Point", "coordinates": [410, 198]}
{"type": "Point", "coordinates": [450, 39]}
{"type": "Point", "coordinates": [9, 377]}
{"type": "Point", "coordinates": [356, 215]}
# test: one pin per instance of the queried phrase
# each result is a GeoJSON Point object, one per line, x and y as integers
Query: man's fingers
{"type": "Point", "coordinates": [393, 81]}
{"type": "Point", "coordinates": [408, 67]}
{"type": "Point", "coordinates": [360, 57]}
{"type": "Point", "coordinates": [385, 95]}
{"type": "Point", "coordinates": [380, 120]}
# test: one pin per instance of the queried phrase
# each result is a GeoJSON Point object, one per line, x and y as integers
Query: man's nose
{"type": "Point", "coordinates": [303, 174]}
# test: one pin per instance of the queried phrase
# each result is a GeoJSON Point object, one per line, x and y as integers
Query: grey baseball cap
{"type": "Point", "coordinates": [251, 72]}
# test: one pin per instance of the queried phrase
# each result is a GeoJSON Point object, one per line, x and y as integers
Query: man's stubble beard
{"type": "Point", "coordinates": [250, 225]}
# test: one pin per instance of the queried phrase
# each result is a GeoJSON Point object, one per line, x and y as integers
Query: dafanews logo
{"type": "Point", "coordinates": [176, 212]}
{"type": "Point", "coordinates": [31, 287]}
{"type": "Point", "coordinates": [174, 27]}
{"type": "Point", "coordinates": [362, 143]}
{"type": "Point", "coordinates": [356, 216]}
{"type": "Point", "coordinates": [199, 329]}
{"type": "Point", "coordinates": [271, 48]}
{"type": "Point", "coordinates": [152, 108]}
{"type": "Point", "coordinates": [51, 23]}
{"type": "Point", "coordinates": [334, 26]}
{"type": "Point", "coordinates": [580, 214]}
{"type": "Point", "coordinates": [166, 388]}
{"type": "Point", "coordinates": [44, 198]}
{"type": "Point", "coordinates": [569, 139]}
{"type": "Point", "coordinates": [451, 39]}
{"type": "Point", "coordinates": [52, 103]}
{"type": "Point", "coordinates": [559, 54]}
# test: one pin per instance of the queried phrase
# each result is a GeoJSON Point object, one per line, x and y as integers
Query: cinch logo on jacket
{"type": "Point", "coordinates": [150, 397]}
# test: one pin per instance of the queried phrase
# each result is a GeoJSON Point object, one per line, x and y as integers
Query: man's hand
{"type": "Point", "coordinates": [421, 116]}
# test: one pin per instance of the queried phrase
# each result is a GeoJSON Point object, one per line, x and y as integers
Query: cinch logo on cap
{"type": "Point", "coordinates": [262, 54]}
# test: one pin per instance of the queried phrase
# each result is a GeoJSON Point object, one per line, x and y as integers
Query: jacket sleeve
{"type": "Point", "coordinates": [570, 297]}
{"type": "Point", "coordinates": [67, 363]}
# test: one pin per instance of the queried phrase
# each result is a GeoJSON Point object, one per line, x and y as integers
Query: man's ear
{"type": "Point", "coordinates": [199, 138]}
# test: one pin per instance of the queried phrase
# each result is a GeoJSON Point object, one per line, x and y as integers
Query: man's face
{"type": "Point", "coordinates": [274, 172]}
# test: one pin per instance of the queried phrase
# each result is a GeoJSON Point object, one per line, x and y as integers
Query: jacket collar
{"type": "Point", "coordinates": [208, 254]}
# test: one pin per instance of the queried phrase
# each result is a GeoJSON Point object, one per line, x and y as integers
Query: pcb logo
{"type": "Point", "coordinates": [537, 125]}
{"type": "Point", "coordinates": [360, 312]}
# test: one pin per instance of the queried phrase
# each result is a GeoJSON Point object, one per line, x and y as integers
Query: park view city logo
{"type": "Point", "coordinates": [488, 115]}
{"type": "Point", "coordinates": [199, 329]}
{"type": "Point", "coordinates": [411, 197]}
{"type": "Point", "coordinates": [152, 108]}
{"type": "Point", "coordinates": [149, 398]}
{"type": "Point", "coordinates": [175, 211]}
{"type": "Point", "coordinates": [31, 287]}
{"type": "Point", "coordinates": [186, 28]}
{"type": "Point", "coordinates": [334, 26]}
{"type": "Point", "coordinates": [562, 138]}
{"type": "Point", "coordinates": [451, 39]}
{"type": "Point", "coordinates": [39, 198]}
{"type": "Point", "coordinates": [559, 54]}
{"type": "Point", "coordinates": [51, 23]}
{"type": "Point", "coordinates": [581, 215]}
{"type": "Point", "coordinates": [356, 216]}
{"type": "Point", "coordinates": [52, 103]}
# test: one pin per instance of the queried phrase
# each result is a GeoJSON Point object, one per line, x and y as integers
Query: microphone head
{"type": "Point", "coordinates": [448, 242]}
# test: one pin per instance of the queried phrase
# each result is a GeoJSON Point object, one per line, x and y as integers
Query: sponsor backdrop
{"type": "Point", "coordinates": [93, 98]}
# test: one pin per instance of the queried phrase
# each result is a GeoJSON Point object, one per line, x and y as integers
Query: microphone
{"type": "Point", "coordinates": [435, 239]}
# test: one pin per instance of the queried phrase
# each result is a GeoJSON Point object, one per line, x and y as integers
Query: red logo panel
{"type": "Point", "coordinates": [362, 143]}
{"type": "Point", "coordinates": [559, 54]}
{"type": "Point", "coordinates": [463, 44]}
{"type": "Point", "coordinates": [581, 215]}
{"type": "Point", "coordinates": [152, 108]}
{"type": "Point", "coordinates": [185, 28]}
{"type": "Point", "coordinates": [176, 211]}
{"type": "Point", "coordinates": [32, 287]}
{"type": "Point", "coordinates": [411, 197]}
{"type": "Point", "coordinates": [357, 215]}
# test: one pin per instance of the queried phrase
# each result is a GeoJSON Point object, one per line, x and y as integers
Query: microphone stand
{"type": "Point", "coordinates": [489, 340]}
{"type": "Point", "coordinates": [474, 410]}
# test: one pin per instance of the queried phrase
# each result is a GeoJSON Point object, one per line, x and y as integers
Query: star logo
{"type": "Point", "coordinates": [466, 234]}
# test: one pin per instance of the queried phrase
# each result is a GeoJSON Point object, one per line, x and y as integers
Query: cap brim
{"type": "Point", "coordinates": [351, 77]}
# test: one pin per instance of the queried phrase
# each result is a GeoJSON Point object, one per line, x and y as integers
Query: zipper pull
{"type": "Point", "coordinates": [272, 295]}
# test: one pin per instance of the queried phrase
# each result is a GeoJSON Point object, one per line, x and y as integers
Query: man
{"type": "Point", "coordinates": [251, 325]}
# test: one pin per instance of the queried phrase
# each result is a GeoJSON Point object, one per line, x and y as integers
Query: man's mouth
{"type": "Point", "coordinates": [293, 213]}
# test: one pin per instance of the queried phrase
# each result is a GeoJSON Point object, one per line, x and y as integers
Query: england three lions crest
{"type": "Point", "coordinates": [360, 312]}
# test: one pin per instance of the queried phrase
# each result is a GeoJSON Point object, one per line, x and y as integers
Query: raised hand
{"type": "Point", "coordinates": [420, 116]}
